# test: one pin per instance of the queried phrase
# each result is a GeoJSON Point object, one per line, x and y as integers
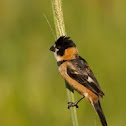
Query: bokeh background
{"type": "Point", "coordinates": [32, 93]}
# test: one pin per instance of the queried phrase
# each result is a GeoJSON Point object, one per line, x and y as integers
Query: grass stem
{"type": "Point", "coordinates": [60, 31]}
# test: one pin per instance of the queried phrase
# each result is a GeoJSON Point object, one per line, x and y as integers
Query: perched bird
{"type": "Point", "coordinates": [77, 73]}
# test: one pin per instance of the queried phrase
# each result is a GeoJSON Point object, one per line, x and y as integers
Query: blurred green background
{"type": "Point", "coordinates": [32, 93]}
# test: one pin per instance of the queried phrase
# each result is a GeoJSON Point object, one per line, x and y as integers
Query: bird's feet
{"type": "Point", "coordinates": [72, 104]}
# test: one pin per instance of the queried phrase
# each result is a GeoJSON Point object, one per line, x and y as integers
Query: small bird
{"type": "Point", "coordinates": [78, 75]}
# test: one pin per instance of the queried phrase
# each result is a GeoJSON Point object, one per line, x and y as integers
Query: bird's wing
{"type": "Point", "coordinates": [80, 71]}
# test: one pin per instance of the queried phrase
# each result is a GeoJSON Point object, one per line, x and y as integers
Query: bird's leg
{"type": "Point", "coordinates": [72, 104]}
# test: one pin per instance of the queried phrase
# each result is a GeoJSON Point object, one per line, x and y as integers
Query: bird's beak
{"type": "Point", "coordinates": [52, 49]}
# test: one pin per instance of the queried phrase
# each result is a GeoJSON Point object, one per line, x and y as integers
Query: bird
{"type": "Point", "coordinates": [77, 74]}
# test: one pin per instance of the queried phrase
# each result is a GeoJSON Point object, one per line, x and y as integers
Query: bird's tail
{"type": "Point", "coordinates": [98, 109]}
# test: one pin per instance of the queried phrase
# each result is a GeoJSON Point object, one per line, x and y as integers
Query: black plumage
{"type": "Point", "coordinates": [81, 72]}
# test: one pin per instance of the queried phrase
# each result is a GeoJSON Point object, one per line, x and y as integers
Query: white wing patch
{"type": "Point", "coordinates": [76, 72]}
{"type": "Point", "coordinates": [90, 79]}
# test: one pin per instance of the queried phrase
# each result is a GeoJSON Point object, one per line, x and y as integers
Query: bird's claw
{"type": "Point", "coordinates": [72, 104]}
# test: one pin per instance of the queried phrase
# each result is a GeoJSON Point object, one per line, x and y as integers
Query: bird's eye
{"type": "Point", "coordinates": [58, 47]}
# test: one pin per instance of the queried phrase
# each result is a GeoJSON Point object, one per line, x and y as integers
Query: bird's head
{"type": "Point", "coordinates": [64, 48]}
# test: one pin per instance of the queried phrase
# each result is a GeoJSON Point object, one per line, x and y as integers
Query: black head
{"type": "Point", "coordinates": [61, 44]}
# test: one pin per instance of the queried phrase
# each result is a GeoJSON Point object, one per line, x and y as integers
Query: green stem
{"type": "Point", "coordinates": [60, 31]}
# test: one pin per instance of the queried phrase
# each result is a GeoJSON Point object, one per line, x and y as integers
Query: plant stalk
{"type": "Point", "coordinates": [60, 31]}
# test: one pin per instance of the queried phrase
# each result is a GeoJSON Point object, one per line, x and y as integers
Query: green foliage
{"type": "Point", "coordinates": [32, 93]}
